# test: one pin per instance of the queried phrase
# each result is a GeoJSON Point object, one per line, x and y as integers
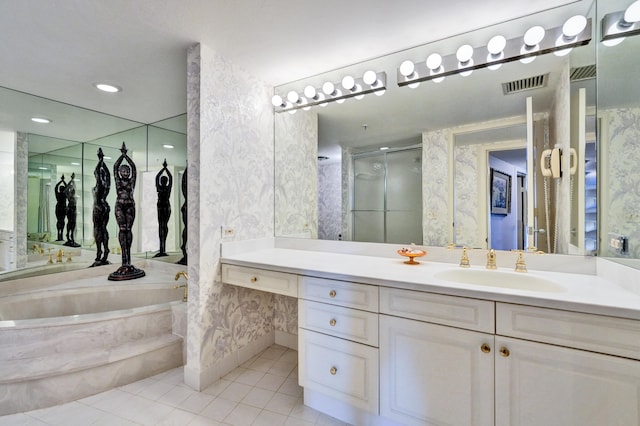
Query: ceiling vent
{"type": "Point", "coordinates": [524, 84]}
{"type": "Point", "coordinates": [583, 73]}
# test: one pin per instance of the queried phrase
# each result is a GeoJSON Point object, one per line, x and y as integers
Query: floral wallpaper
{"type": "Point", "coordinates": [286, 314]}
{"type": "Point", "coordinates": [296, 187]}
{"type": "Point", "coordinates": [21, 182]}
{"type": "Point", "coordinates": [435, 187]}
{"type": "Point", "coordinates": [330, 201]}
{"type": "Point", "coordinates": [620, 203]}
{"type": "Point", "coordinates": [466, 194]}
{"type": "Point", "coordinates": [230, 185]}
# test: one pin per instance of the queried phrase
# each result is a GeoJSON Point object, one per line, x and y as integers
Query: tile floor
{"type": "Point", "coordinates": [263, 391]}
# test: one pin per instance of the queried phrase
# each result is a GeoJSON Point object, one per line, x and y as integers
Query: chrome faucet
{"type": "Point", "coordinates": [184, 274]}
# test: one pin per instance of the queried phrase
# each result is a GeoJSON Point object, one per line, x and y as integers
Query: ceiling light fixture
{"type": "Point", "coordinates": [537, 41]}
{"type": "Point", "coordinates": [371, 82]}
{"type": "Point", "coordinates": [616, 26]}
{"type": "Point", "coordinates": [167, 146]}
{"type": "Point", "coordinates": [109, 88]}
{"type": "Point", "coordinates": [434, 63]}
{"type": "Point", "coordinates": [40, 120]}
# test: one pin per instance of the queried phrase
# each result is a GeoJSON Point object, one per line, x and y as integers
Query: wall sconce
{"type": "Point", "coordinates": [618, 25]}
{"type": "Point", "coordinates": [536, 41]}
{"type": "Point", "coordinates": [349, 87]}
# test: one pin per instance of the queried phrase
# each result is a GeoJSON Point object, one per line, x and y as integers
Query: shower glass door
{"type": "Point", "coordinates": [387, 196]}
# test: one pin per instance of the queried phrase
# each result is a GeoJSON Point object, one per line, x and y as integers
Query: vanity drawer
{"type": "Point", "coordinates": [338, 368]}
{"type": "Point", "coordinates": [261, 279]}
{"type": "Point", "coordinates": [609, 335]}
{"type": "Point", "coordinates": [472, 314]}
{"type": "Point", "coordinates": [351, 324]}
{"type": "Point", "coordinates": [342, 293]}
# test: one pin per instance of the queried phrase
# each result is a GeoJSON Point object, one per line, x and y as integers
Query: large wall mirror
{"type": "Point", "coordinates": [68, 146]}
{"type": "Point", "coordinates": [454, 142]}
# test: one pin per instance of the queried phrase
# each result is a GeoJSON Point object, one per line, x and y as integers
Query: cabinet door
{"type": "Point", "coordinates": [540, 384]}
{"type": "Point", "coordinates": [435, 375]}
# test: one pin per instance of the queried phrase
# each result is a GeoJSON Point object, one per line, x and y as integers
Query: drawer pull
{"type": "Point", "coordinates": [333, 371]}
{"type": "Point", "coordinates": [504, 352]}
{"type": "Point", "coordinates": [485, 348]}
{"type": "Point", "coordinates": [254, 279]}
{"type": "Point", "coordinates": [332, 293]}
{"type": "Point", "coordinates": [332, 322]}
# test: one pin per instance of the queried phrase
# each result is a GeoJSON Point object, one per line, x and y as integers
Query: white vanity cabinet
{"type": "Point", "coordinates": [572, 369]}
{"type": "Point", "coordinates": [338, 346]}
{"type": "Point", "coordinates": [433, 374]}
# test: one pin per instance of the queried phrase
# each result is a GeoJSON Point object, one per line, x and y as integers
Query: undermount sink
{"type": "Point", "coordinates": [493, 278]}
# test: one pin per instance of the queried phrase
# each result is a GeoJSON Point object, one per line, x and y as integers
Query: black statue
{"type": "Point", "coordinates": [61, 207]}
{"type": "Point", "coordinates": [70, 193]}
{"type": "Point", "coordinates": [183, 210]}
{"type": "Point", "coordinates": [101, 210]}
{"type": "Point", "coordinates": [163, 187]}
{"type": "Point", "coordinates": [124, 176]}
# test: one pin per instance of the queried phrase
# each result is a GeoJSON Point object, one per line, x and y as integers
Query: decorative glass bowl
{"type": "Point", "coordinates": [411, 254]}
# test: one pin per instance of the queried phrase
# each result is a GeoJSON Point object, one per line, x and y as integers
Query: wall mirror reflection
{"type": "Point", "coordinates": [464, 126]}
{"type": "Point", "coordinates": [69, 147]}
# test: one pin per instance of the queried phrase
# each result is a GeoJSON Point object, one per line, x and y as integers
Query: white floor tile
{"type": "Point", "coordinates": [20, 419]}
{"type": "Point", "coordinates": [176, 396]}
{"type": "Point", "coordinates": [155, 390]}
{"type": "Point", "coordinates": [196, 402]}
{"type": "Point", "coordinates": [258, 397]}
{"type": "Point", "coordinates": [177, 418]}
{"type": "Point", "coordinates": [217, 387]}
{"type": "Point", "coordinates": [153, 414]}
{"type": "Point", "coordinates": [281, 404]}
{"type": "Point", "coordinates": [242, 415]}
{"type": "Point", "coordinates": [271, 382]}
{"type": "Point", "coordinates": [268, 418]}
{"type": "Point", "coordinates": [219, 409]}
{"type": "Point", "coordinates": [235, 391]}
{"type": "Point", "coordinates": [290, 387]}
{"type": "Point", "coordinates": [250, 377]}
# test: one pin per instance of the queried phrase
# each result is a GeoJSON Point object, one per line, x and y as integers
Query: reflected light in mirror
{"type": "Point", "coordinates": [464, 54]}
{"type": "Point", "coordinates": [632, 14]}
{"type": "Point", "coordinates": [41, 120]}
{"type": "Point", "coordinates": [109, 88]}
{"type": "Point", "coordinates": [496, 51]}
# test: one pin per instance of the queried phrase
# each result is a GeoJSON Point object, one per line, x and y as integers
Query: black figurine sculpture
{"type": "Point", "coordinates": [101, 210]}
{"type": "Point", "coordinates": [61, 207]}
{"type": "Point", "coordinates": [163, 187]}
{"type": "Point", "coordinates": [70, 193]}
{"type": "Point", "coordinates": [183, 210]}
{"type": "Point", "coordinates": [124, 176]}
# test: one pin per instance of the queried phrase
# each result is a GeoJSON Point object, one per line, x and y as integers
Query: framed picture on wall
{"type": "Point", "coordinates": [500, 192]}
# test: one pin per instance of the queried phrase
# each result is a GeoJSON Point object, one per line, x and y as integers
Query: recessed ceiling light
{"type": "Point", "coordinates": [75, 164]}
{"type": "Point", "coordinates": [109, 88]}
{"type": "Point", "coordinates": [42, 168]}
{"type": "Point", "coordinates": [167, 146]}
{"type": "Point", "coordinates": [107, 158]}
{"type": "Point", "coordinates": [384, 148]}
{"type": "Point", "coordinates": [40, 120]}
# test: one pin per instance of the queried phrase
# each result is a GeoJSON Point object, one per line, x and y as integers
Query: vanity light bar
{"type": "Point", "coordinates": [362, 86]}
{"type": "Point", "coordinates": [614, 26]}
{"type": "Point", "coordinates": [515, 49]}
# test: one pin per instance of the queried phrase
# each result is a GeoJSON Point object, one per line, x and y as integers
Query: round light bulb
{"type": "Point", "coordinates": [464, 53]}
{"type": "Point", "coordinates": [407, 68]}
{"type": "Point", "coordinates": [328, 88]}
{"type": "Point", "coordinates": [534, 36]}
{"type": "Point", "coordinates": [277, 101]}
{"type": "Point", "coordinates": [349, 83]}
{"type": "Point", "coordinates": [310, 92]}
{"type": "Point", "coordinates": [434, 61]}
{"type": "Point", "coordinates": [632, 14]}
{"type": "Point", "coordinates": [380, 92]}
{"type": "Point", "coordinates": [438, 80]}
{"type": "Point", "coordinates": [574, 26]}
{"type": "Point", "coordinates": [414, 85]}
{"type": "Point", "coordinates": [613, 42]}
{"type": "Point", "coordinates": [524, 50]}
{"type": "Point", "coordinates": [496, 45]}
{"type": "Point", "coordinates": [293, 97]}
{"type": "Point", "coordinates": [370, 78]}
{"type": "Point", "coordinates": [493, 67]}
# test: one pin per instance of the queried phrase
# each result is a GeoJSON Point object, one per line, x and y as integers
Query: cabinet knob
{"type": "Point", "coordinates": [332, 293]}
{"type": "Point", "coordinates": [485, 348]}
{"type": "Point", "coordinates": [254, 279]}
{"type": "Point", "coordinates": [504, 352]}
{"type": "Point", "coordinates": [332, 322]}
{"type": "Point", "coordinates": [333, 371]}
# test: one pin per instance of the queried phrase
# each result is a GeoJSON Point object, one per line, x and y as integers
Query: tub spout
{"type": "Point", "coordinates": [183, 274]}
{"type": "Point", "coordinates": [185, 295]}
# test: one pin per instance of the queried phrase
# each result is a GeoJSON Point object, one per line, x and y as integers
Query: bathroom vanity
{"type": "Point", "coordinates": [381, 342]}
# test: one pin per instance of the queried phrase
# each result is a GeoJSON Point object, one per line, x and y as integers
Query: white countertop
{"type": "Point", "coordinates": [581, 292]}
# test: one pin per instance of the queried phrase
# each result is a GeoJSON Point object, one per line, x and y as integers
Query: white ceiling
{"type": "Point", "coordinates": [57, 49]}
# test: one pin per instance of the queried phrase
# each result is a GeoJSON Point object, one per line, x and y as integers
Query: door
{"type": "Point", "coordinates": [435, 375]}
{"type": "Point", "coordinates": [539, 384]}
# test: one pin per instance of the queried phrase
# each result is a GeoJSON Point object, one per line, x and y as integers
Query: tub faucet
{"type": "Point", "coordinates": [185, 295]}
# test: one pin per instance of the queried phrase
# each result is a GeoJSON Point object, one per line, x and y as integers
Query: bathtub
{"type": "Point", "coordinates": [64, 341]}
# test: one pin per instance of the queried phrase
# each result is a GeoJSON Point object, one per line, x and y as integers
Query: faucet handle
{"type": "Point", "coordinates": [521, 266]}
{"type": "Point", "coordinates": [464, 260]}
{"type": "Point", "coordinates": [491, 260]}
